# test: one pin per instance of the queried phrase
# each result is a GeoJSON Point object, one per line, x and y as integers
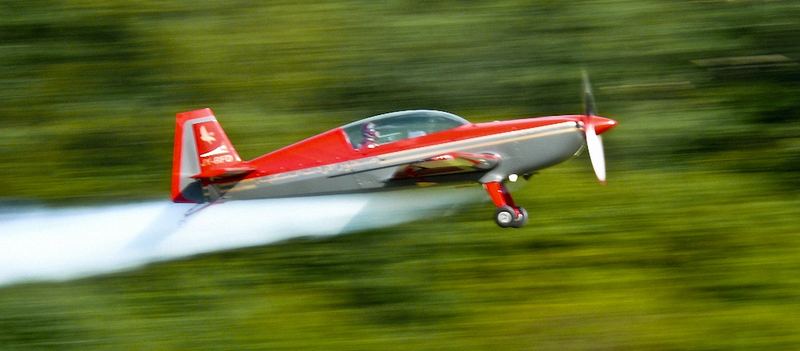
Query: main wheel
{"type": "Point", "coordinates": [520, 220]}
{"type": "Point", "coordinates": [505, 216]}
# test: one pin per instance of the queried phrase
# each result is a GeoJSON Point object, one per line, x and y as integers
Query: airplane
{"type": "Point", "coordinates": [383, 152]}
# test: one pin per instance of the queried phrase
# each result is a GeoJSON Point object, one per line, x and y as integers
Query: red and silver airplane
{"type": "Point", "coordinates": [388, 151]}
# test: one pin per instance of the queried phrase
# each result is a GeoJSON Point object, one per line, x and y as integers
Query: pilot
{"type": "Point", "coordinates": [369, 135]}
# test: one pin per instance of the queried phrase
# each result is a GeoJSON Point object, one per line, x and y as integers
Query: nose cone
{"type": "Point", "coordinates": [602, 124]}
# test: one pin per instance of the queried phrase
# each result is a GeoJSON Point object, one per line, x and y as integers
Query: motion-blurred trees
{"type": "Point", "coordinates": [90, 88]}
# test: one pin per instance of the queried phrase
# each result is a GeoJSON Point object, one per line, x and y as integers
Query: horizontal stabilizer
{"type": "Point", "coordinates": [223, 172]}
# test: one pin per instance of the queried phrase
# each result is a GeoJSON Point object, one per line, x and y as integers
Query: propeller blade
{"type": "Point", "coordinates": [593, 141]}
{"type": "Point", "coordinates": [588, 97]}
{"type": "Point", "coordinates": [596, 154]}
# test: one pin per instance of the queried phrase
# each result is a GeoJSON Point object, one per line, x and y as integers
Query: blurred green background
{"type": "Point", "coordinates": [693, 245]}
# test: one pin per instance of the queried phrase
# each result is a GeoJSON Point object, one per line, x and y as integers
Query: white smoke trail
{"type": "Point", "coordinates": [56, 244]}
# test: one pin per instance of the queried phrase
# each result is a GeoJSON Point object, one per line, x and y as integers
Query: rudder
{"type": "Point", "coordinates": [201, 152]}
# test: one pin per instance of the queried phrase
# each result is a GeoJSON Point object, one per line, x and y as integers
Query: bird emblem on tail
{"type": "Point", "coordinates": [206, 136]}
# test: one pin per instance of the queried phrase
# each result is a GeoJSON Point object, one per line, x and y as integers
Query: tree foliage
{"type": "Point", "coordinates": [688, 80]}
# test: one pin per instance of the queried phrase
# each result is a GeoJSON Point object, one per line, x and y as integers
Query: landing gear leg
{"type": "Point", "coordinates": [508, 214]}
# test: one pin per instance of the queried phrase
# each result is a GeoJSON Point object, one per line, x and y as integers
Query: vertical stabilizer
{"type": "Point", "coordinates": [202, 151]}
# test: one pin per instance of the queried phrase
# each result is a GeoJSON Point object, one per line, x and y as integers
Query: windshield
{"type": "Point", "coordinates": [391, 127]}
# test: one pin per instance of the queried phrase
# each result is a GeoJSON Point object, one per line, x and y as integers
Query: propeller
{"type": "Point", "coordinates": [593, 141]}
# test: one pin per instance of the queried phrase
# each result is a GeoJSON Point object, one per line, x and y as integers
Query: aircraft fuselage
{"type": "Point", "coordinates": [524, 146]}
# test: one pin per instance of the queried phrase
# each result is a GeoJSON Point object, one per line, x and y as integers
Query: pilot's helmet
{"type": "Point", "coordinates": [368, 130]}
{"type": "Point", "coordinates": [369, 134]}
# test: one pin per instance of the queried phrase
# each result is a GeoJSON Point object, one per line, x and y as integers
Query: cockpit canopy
{"type": "Point", "coordinates": [391, 127]}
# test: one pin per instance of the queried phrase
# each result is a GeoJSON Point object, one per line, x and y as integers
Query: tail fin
{"type": "Point", "coordinates": [201, 153]}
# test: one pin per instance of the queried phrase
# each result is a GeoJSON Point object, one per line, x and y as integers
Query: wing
{"type": "Point", "coordinates": [446, 164]}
